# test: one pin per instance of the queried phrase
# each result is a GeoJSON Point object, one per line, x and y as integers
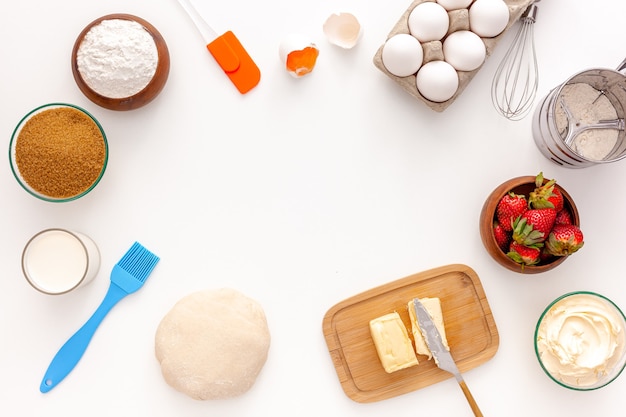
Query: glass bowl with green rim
{"type": "Point", "coordinates": [58, 152]}
{"type": "Point", "coordinates": [580, 341]}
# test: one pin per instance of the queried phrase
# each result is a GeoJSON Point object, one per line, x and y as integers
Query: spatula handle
{"type": "Point", "coordinates": [470, 399]}
{"type": "Point", "coordinates": [70, 353]}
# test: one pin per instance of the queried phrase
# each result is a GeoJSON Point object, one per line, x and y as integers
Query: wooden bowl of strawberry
{"type": "Point", "coordinates": [530, 224]}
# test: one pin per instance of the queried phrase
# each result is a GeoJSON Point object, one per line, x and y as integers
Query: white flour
{"type": "Point", "coordinates": [588, 106]}
{"type": "Point", "coordinates": [117, 58]}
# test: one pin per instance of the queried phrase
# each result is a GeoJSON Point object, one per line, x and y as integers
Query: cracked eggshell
{"type": "Point", "coordinates": [342, 29]}
{"type": "Point", "coordinates": [298, 54]}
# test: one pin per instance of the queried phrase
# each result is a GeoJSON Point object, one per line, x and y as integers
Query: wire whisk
{"type": "Point", "coordinates": [515, 82]}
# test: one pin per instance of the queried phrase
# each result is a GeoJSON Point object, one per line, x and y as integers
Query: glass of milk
{"type": "Point", "coordinates": [56, 261]}
{"type": "Point", "coordinates": [580, 123]}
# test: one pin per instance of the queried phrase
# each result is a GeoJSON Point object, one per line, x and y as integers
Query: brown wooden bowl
{"type": "Point", "coordinates": [520, 185]}
{"type": "Point", "coordinates": [140, 98]}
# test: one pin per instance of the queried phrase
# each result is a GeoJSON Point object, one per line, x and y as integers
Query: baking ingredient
{"type": "Point", "coordinates": [454, 4]}
{"type": "Point", "coordinates": [563, 217]}
{"type": "Point", "coordinates": [392, 342]}
{"type": "Point", "coordinates": [564, 239]}
{"type": "Point", "coordinates": [546, 195]}
{"type": "Point", "coordinates": [525, 234]}
{"type": "Point", "coordinates": [342, 29]}
{"type": "Point", "coordinates": [503, 238]}
{"type": "Point", "coordinates": [526, 243]}
{"type": "Point", "coordinates": [428, 21]}
{"type": "Point", "coordinates": [433, 306]}
{"type": "Point", "coordinates": [539, 232]}
{"type": "Point", "coordinates": [117, 58]}
{"type": "Point", "coordinates": [55, 261]}
{"type": "Point", "coordinates": [464, 50]}
{"type": "Point", "coordinates": [60, 152]}
{"type": "Point", "coordinates": [213, 344]}
{"type": "Point", "coordinates": [580, 339]}
{"type": "Point", "coordinates": [509, 208]}
{"type": "Point", "coordinates": [402, 55]}
{"type": "Point", "coordinates": [523, 254]}
{"type": "Point", "coordinates": [437, 81]}
{"type": "Point", "coordinates": [541, 220]}
{"type": "Point", "coordinates": [298, 54]}
{"type": "Point", "coordinates": [488, 18]}
{"type": "Point", "coordinates": [587, 106]}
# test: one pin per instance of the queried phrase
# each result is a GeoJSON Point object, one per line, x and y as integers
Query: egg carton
{"type": "Point", "coordinates": [458, 21]}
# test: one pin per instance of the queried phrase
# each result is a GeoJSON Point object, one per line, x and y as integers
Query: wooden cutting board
{"type": "Point", "coordinates": [469, 323]}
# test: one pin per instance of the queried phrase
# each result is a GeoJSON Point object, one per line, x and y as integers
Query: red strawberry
{"type": "Point", "coordinates": [524, 255]}
{"type": "Point", "coordinates": [541, 220]}
{"type": "Point", "coordinates": [503, 238]}
{"type": "Point", "coordinates": [564, 239]}
{"type": "Point", "coordinates": [563, 217]}
{"type": "Point", "coordinates": [525, 234]}
{"type": "Point", "coordinates": [545, 256]}
{"type": "Point", "coordinates": [546, 195]}
{"type": "Point", "coordinates": [509, 208]}
{"type": "Point", "coordinates": [557, 199]}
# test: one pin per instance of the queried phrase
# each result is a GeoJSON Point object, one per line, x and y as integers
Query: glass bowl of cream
{"type": "Point", "coordinates": [580, 341]}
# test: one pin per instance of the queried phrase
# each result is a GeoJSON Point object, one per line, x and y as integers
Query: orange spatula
{"type": "Point", "coordinates": [227, 51]}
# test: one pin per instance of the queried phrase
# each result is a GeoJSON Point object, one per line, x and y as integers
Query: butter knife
{"type": "Point", "coordinates": [443, 358]}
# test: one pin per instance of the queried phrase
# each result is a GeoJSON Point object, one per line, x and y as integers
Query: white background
{"type": "Point", "coordinates": [299, 194]}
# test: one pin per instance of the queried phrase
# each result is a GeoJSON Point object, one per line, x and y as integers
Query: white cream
{"type": "Point", "coordinates": [581, 339]}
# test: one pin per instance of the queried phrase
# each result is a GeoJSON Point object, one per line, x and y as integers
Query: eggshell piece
{"type": "Point", "coordinates": [488, 18]}
{"type": "Point", "coordinates": [454, 4]}
{"type": "Point", "coordinates": [298, 54]}
{"type": "Point", "coordinates": [437, 81]}
{"type": "Point", "coordinates": [402, 55]}
{"type": "Point", "coordinates": [428, 21]}
{"type": "Point", "coordinates": [342, 29]}
{"type": "Point", "coordinates": [464, 50]}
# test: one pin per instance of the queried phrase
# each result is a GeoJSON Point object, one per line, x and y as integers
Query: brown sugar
{"type": "Point", "coordinates": [60, 152]}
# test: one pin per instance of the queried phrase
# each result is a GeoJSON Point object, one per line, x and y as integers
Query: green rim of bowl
{"type": "Point", "coordinates": [561, 383]}
{"type": "Point", "coordinates": [16, 172]}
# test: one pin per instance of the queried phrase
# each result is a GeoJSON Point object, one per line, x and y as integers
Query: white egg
{"type": "Point", "coordinates": [488, 18]}
{"type": "Point", "coordinates": [402, 55]}
{"type": "Point", "coordinates": [464, 50]}
{"type": "Point", "coordinates": [428, 21]}
{"type": "Point", "coordinates": [437, 81]}
{"type": "Point", "coordinates": [454, 4]}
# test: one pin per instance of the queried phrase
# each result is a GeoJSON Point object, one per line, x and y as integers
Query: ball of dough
{"type": "Point", "coordinates": [212, 344]}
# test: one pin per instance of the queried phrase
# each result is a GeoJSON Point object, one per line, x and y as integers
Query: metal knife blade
{"type": "Point", "coordinates": [443, 358]}
{"type": "Point", "coordinates": [434, 341]}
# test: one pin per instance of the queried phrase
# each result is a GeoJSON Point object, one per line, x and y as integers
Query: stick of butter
{"type": "Point", "coordinates": [433, 306]}
{"type": "Point", "coordinates": [392, 342]}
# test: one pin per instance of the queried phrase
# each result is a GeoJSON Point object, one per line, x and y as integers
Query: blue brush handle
{"type": "Point", "coordinates": [70, 353]}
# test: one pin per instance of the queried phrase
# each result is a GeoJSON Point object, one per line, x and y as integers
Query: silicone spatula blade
{"type": "Point", "coordinates": [227, 51]}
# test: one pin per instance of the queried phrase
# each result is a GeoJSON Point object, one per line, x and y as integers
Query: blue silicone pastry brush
{"type": "Point", "coordinates": [128, 276]}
